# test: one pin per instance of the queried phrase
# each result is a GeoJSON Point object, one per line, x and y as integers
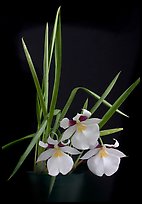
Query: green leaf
{"type": "Point", "coordinates": [110, 131]}
{"type": "Point", "coordinates": [56, 111]}
{"type": "Point", "coordinates": [17, 141]}
{"type": "Point", "coordinates": [104, 101]}
{"type": "Point", "coordinates": [46, 68]}
{"type": "Point", "coordinates": [51, 47]}
{"type": "Point", "coordinates": [38, 111]}
{"type": "Point", "coordinates": [29, 148]}
{"type": "Point", "coordinates": [85, 106]}
{"type": "Point", "coordinates": [55, 127]}
{"type": "Point", "coordinates": [58, 51]}
{"type": "Point", "coordinates": [104, 95]}
{"type": "Point", "coordinates": [35, 78]}
{"type": "Point", "coordinates": [72, 95]}
{"type": "Point", "coordinates": [117, 103]}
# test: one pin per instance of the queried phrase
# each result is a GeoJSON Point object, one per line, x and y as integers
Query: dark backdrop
{"type": "Point", "coordinates": [99, 40]}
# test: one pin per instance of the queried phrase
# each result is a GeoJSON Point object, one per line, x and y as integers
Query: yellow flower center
{"type": "Point", "coordinates": [58, 152]}
{"type": "Point", "coordinates": [81, 127]}
{"type": "Point", "coordinates": [103, 153]}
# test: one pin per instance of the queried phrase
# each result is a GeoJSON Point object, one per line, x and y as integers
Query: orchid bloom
{"type": "Point", "coordinates": [57, 159]}
{"type": "Point", "coordinates": [83, 131]}
{"type": "Point", "coordinates": [104, 160]}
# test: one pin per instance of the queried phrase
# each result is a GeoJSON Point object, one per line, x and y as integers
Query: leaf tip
{"type": "Point", "coordinates": [23, 42]}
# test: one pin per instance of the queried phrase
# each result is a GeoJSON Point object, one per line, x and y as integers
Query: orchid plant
{"type": "Point", "coordinates": [62, 144]}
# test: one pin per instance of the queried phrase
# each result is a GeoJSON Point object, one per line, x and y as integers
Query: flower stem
{"type": "Point", "coordinates": [76, 163]}
{"type": "Point", "coordinates": [101, 141]}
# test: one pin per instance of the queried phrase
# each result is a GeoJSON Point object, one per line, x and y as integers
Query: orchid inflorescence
{"type": "Point", "coordinates": [84, 133]}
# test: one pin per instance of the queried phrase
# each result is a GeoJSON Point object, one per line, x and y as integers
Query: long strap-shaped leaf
{"type": "Point", "coordinates": [35, 78]}
{"type": "Point", "coordinates": [46, 68]}
{"type": "Point", "coordinates": [58, 51]}
{"type": "Point", "coordinates": [30, 147]}
{"type": "Point", "coordinates": [72, 95]}
{"type": "Point", "coordinates": [110, 131]}
{"type": "Point", "coordinates": [104, 95]}
{"type": "Point", "coordinates": [52, 43]}
{"type": "Point", "coordinates": [117, 103]}
{"type": "Point", "coordinates": [48, 52]}
{"type": "Point", "coordinates": [17, 141]}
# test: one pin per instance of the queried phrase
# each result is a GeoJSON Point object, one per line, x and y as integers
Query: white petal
{"type": "Point", "coordinates": [116, 152]}
{"type": "Point", "coordinates": [97, 120]}
{"type": "Point", "coordinates": [68, 133]}
{"type": "Point", "coordinates": [65, 163]}
{"type": "Point", "coordinates": [42, 144]}
{"type": "Point", "coordinates": [116, 144]}
{"type": "Point", "coordinates": [76, 118]}
{"type": "Point", "coordinates": [111, 164]}
{"type": "Point", "coordinates": [92, 121]}
{"type": "Point", "coordinates": [87, 138]}
{"type": "Point", "coordinates": [92, 134]}
{"type": "Point", "coordinates": [90, 153]}
{"type": "Point", "coordinates": [86, 113]}
{"type": "Point", "coordinates": [64, 123]}
{"type": "Point", "coordinates": [70, 150]}
{"type": "Point", "coordinates": [65, 143]}
{"type": "Point", "coordinates": [93, 146]}
{"type": "Point", "coordinates": [79, 141]}
{"type": "Point", "coordinates": [53, 166]}
{"type": "Point", "coordinates": [96, 166]}
{"type": "Point", "coordinates": [52, 141]}
{"type": "Point", "coordinates": [45, 155]}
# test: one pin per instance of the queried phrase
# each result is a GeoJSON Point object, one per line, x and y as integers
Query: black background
{"type": "Point", "coordinates": [99, 40]}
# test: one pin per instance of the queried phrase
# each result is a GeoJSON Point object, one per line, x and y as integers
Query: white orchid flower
{"type": "Point", "coordinates": [84, 131]}
{"type": "Point", "coordinates": [104, 160]}
{"type": "Point", "coordinates": [57, 159]}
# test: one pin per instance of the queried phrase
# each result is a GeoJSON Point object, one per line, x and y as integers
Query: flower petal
{"type": "Point", "coordinates": [70, 150]}
{"type": "Point", "coordinates": [92, 134]}
{"type": "Point", "coordinates": [45, 155]}
{"type": "Point", "coordinates": [116, 144]}
{"type": "Point", "coordinates": [64, 123]}
{"type": "Point", "coordinates": [52, 165]}
{"type": "Point", "coordinates": [111, 164]}
{"type": "Point", "coordinates": [68, 133]}
{"type": "Point", "coordinates": [42, 144]}
{"type": "Point", "coordinates": [65, 164]}
{"type": "Point", "coordinates": [86, 113]}
{"type": "Point", "coordinates": [79, 141]}
{"type": "Point", "coordinates": [92, 121]}
{"type": "Point", "coordinates": [76, 118]}
{"type": "Point", "coordinates": [116, 152]}
{"type": "Point", "coordinates": [93, 146]}
{"type": "Point", "coordinates": [96, 166]}
{"type": "Point", "coordinates": [65, 143]}
{"type": "Point", "coordinates": [52, 141]}
{"type": "Point", "coordinates": [90, 153]}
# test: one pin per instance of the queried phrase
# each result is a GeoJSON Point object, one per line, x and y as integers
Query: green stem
{"type": "Point", "coordinates": [101, 141]}
{"type": "Point", "coordinates": [77, 160]}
